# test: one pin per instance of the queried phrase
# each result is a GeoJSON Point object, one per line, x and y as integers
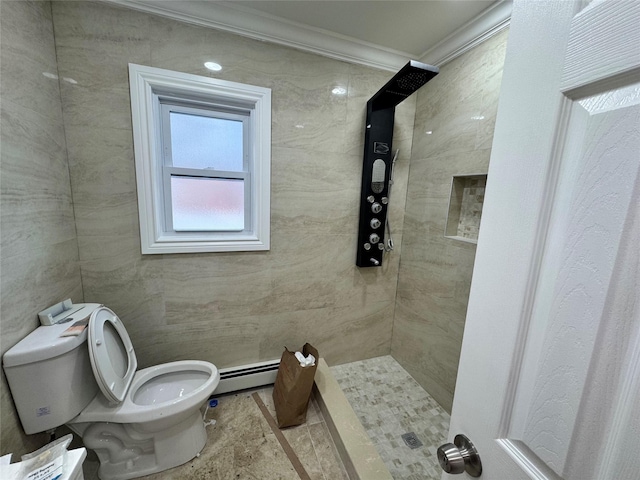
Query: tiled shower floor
{"type": "Point", "coordinates": [389, 402]}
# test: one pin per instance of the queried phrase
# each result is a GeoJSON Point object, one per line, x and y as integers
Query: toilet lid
{"type": "Point", "coordinates": [111, 353]}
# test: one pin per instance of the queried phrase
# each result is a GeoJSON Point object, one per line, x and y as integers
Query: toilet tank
{"type": "Point", "coordinates": [50, 376]}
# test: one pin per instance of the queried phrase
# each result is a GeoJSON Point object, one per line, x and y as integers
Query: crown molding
{"type": "Point", "coordinates": [471, 34]}
{"type": "Point", "coordinates": [261, 26]}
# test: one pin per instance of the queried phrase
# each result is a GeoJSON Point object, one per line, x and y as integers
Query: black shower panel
{"type": "Point", "coordinates": [378, 155]}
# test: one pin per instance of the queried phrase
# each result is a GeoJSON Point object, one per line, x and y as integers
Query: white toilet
{"type": "Point", "coordinates": [138, 422]}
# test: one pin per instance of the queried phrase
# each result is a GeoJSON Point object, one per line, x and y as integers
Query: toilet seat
{"type": "Point", "coordinates": [113, 359]}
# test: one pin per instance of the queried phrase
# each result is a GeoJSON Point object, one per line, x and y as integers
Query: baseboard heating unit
{"type": "Point", "coordinates": [247, 376]}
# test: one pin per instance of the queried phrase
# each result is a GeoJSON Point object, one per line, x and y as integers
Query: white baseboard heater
{"type": "Point", "coordinates": [247, 376]}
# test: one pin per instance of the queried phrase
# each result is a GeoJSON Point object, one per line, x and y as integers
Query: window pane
{"type": "Point", "coordinates": [206, 142]}
{"type": "Point", "coordinates": [207, 204]}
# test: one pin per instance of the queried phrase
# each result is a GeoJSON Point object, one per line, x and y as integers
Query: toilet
{"type": "Point", "coordinates": [138, 422]}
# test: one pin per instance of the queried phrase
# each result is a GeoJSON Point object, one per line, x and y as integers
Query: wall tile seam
{"type": "Point", "coordinates": [402, 226]}
{"type": "Point", "coordinates": [442, 156]}
{"type": "Point", "coordinates": [66, 149]}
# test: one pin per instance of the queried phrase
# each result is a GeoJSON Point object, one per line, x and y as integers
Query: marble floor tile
{"type": "Point", "coordinates": [241, 445]}
{"type": "Point", "coordinates": [389, 402]}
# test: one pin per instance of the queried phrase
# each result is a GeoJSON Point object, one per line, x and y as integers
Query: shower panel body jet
{"type": "Point", "coordinates": [378, 154]}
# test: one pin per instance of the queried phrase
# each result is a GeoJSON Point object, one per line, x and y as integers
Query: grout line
{"type": "Point", "coordinates": [63, 123]}
{"type": "Point", "coordinates": [293, 458]}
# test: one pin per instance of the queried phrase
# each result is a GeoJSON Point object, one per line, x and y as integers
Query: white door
{"type": "Point", "coordinates": [549, 378]}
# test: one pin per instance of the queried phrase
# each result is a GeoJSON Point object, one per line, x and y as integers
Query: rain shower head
{"type": "Point", "coordinates": [409, 79]}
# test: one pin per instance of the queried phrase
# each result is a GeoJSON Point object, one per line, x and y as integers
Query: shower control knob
{"type": "Point", "coordinates": [376, 207]}
{"type": "Point", "coordinates": [371, 199]}
{"type": "Point", "coordinates": [374, 238]}
{"type": "Point", "coordinates": [385, 200]}
{"type": "Point", "coordinates": [381, 246]}
{"type": "Point", "coordinates": [374, 262]}
{"type": "Point", "coordinates": [375, 223]}
{"type": "Point", "coordinates": [367, 246]}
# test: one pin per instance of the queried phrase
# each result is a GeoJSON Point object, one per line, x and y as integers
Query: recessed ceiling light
{"type": "Point", "coordinates": [339, 91]}
{"type": "Point", "coordinates": [216, 67]}
{"type": "Point", "coordinates": [428, 132]}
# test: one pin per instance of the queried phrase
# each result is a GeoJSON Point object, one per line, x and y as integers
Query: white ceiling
{"type": "Point", "coordinates": [410, 27]}
{"type": "Point", "coordinates": [379, 33]}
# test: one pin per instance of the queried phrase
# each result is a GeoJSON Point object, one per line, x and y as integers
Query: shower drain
{"type": "Point", "coordinates": [411, 440]}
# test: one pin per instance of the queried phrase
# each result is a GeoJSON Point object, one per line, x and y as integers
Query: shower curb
{"type": "Point", "coordinates": [359, 455]}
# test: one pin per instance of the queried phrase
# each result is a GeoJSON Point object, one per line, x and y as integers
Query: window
{"type": "Point", "coordinates": [202, 154]}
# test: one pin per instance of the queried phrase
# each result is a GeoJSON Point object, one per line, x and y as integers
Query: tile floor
{"type": "Point", "coordinates": [389, 402]}
{"type": "Point", "coordinates": [241, 446]}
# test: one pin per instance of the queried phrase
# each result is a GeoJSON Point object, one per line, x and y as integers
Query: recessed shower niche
{"type": "Point", "coordinates": [465, 207]}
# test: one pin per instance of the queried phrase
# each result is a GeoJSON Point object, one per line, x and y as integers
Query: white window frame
{"type": "Point", "coordinates": [151, 88]}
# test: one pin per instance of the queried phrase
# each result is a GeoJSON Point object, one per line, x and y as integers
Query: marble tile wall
{"type": "Point", "coordinates": [455, 117]}
{"type": "Point", "coordinates": [229, 308]}
{"type": "Point", "coordinates": [39, 250]}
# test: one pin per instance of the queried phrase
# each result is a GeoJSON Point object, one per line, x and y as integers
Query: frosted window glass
{"type": "Point", "coordinates": [207, 204]}
{"type": "Point", "coordinates": [206, 142]}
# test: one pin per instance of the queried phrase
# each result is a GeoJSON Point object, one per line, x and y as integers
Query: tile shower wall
{"type": "Point", "coordinates": [39, 261]}
{"type": "Point", "coordinates": [229, 308]}
{"type": "Point", "coordinates": [455, 117]}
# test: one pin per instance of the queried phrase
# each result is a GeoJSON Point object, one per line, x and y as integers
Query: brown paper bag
{"type": "Point", "coordinates": [292, 390]}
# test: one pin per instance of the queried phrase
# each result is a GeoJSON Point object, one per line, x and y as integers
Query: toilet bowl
{"type": "Point", "coordinates": [157, 426]}
{"type": "Point", "coordinates": [158, 396]}
{"type": "Point", "coordinates": [138, 422]}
